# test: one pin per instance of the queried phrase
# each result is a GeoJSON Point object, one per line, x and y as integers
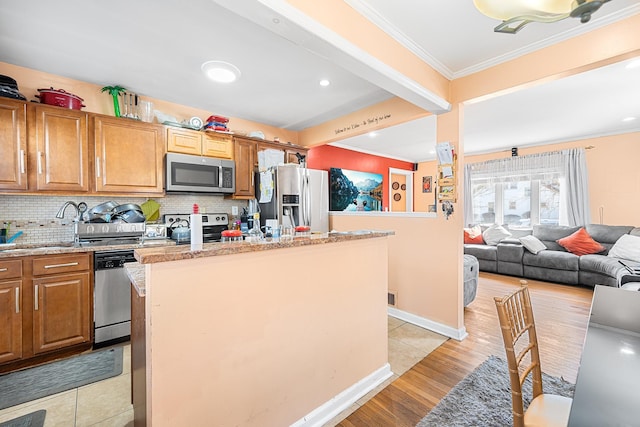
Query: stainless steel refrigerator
{"type": "Point", "coordinates": [294, 195]}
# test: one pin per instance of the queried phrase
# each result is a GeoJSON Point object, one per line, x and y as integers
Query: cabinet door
{"type": "Point", "coordinates": [128, 156]}
{"type": "Point", "coordinates": [13, 145]}
{"type": "Point", "coordinates": [290, 155]}
{"type": "Point", "coordinates": [11, 320]}
{"type": "Point", "coordinates": [61, 311]}
{"type": "Point", "coordinates": [60, 149]}
{"type": "Point", "coordinates": [217, 145]}
{"type": "Point", "coordinates": [245, 157]}
{"type": "Point", "coordinates": [184, 141]}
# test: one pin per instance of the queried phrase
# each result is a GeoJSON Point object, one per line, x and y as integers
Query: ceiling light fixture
{"type": "Point", "coordinates": [516, 14]}
{"type": "Point", "coordinates": [628, 119]}
{"type": "Point", "coordinates": [324, 82]}
{"type": "Point", "coordinates": [373, 134]}
{"type": "Point", "coordinates": [220, 71]}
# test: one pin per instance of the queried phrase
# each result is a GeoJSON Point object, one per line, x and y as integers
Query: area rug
{"type": "Point", "coordinates": [55, 377]}
{"type": "Point", "coordinates": [34, 419]}
{"type": "Point", "coordinates": [483, 398]}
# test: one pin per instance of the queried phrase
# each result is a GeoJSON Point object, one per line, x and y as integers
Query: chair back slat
{"type": "Point", "coordinates": [521, 345]}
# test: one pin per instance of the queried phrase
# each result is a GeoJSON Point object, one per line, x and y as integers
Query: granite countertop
{"type": "Point", "coordinates": [176, 253]}
{"type": "Point", "coordinates": [20, 250]}
{"type": "Point", "coordinates": [135, 272]}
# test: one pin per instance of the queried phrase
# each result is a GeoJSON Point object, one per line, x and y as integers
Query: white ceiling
{"type": "Point", "coordinates": [156, 47]}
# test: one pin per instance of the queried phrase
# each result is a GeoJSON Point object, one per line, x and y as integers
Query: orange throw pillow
{"type": "Point", "coordinates": [473, 235]}
{"type": "Point", "coordinates": [580, 243]}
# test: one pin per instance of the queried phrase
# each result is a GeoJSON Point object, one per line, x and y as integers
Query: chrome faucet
{"type": "Point", "coordinates": [60, 213]}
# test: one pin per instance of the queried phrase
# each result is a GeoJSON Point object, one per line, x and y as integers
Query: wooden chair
{"type": "Point", "coordinates": [521, 344]}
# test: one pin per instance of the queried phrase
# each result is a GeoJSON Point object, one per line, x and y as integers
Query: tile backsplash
{"type": "Point", "coordinates": [36, 215]}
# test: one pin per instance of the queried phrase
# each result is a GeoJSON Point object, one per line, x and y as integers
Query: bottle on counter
{"type": "Point", "coordinates": [255, 234]}
{"type": "Point", "coordinates": [196, 228]}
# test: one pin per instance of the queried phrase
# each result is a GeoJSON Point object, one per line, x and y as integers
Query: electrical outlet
{"type": "Point", "coordinates": [234, 210]}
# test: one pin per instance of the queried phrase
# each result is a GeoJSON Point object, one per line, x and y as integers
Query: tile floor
{"type": "Point", "coordinates": [107, 403]}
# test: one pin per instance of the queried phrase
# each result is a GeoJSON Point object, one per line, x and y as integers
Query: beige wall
{"type": "Point", "coordinates": [96, 101]}
{"type": "Point", "coordinates": [420, 262]}
{"type": "Point", "coordinates": [263, 338]}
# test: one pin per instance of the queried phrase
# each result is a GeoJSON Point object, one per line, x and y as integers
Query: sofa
{"type": "Point", "coordinates": [550, 261]}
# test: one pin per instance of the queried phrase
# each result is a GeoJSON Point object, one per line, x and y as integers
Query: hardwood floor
{"type": "Point", "coordinates": [561, 314]}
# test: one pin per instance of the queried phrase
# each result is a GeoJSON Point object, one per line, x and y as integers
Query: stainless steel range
{"type": "Point", "coordinates": [110, 233]}
{"type": "Point", "coordinates": [212, 226]}
{"type": "Point", "coordinates": [111, 297]}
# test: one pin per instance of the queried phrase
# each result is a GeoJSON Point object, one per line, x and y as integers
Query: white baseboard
{"type": "Point", "coordinates": [342, 401]}
{"type": "Point", "coordinates": [457, 334]}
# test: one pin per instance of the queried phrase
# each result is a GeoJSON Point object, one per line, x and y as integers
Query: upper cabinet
{"type": "Point", "coordinates": [128, 156]}
{"type": "Point", "coordinates": [58, 149]}
{"type": "Point", "coordinates": [245, 158]}
{"type": "Point", "coordinates": [199, 143]}
{"type": "Point", "coordinates": [289, 151]}
{"type": "Point", "coordinates": [13, 145]}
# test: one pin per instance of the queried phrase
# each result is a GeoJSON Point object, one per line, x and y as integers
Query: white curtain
{"type": "Point", "coordinates": [577, 186]}
{"type": "Point", "coordinates": [568, 165]}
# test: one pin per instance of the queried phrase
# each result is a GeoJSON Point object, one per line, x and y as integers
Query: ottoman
{"type": "Point", "coordinates": [470, 277]}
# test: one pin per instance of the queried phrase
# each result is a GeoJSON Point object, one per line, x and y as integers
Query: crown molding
{"type": "Point", "coordinates": [372, 15]}
{"type": "Point", "coordinates": [565, 35]}
{"type": "Point", "coordinates": [362, 7]}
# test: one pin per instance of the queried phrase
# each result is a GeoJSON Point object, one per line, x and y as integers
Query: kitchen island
{"type": "Point", "coordinates": [269, 334]}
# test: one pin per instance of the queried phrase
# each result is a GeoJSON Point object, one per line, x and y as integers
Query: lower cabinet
{"type": "Point", "coordinates": [10, 310]}
{"type": "Point", "coordinates": [61, 312]}
{"type": "Point", "coordinates": [47, 307]}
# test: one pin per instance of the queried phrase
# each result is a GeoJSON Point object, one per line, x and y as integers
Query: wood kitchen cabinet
{"type": "Point", "coordinates": [13, 145]}
{"type": "Point", "coordinates": [246, 157]}
{"type": "Point", "coordinates": [58, 149]}
{"type": "Point", "coordinates": [289, 151]}
{"type": "Point", "coordinates": [128, 156]}
{"type": "Point", "coordinates": [48, 304]}
{"type": "Point", "coordinates": [61, 301]}
{"type": "Point", "coordinates": [209, 144]}
{"type": "Point", "coordinates": [10, 310]}
{"type": "Point", "coordinates": [246, 161]}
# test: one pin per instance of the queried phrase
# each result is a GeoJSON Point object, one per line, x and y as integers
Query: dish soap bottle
{"type": "Point", "coordinates": [196, 228]}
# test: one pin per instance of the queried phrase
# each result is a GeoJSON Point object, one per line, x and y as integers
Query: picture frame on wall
{"type": "Point", "coordinates": [426, 184]}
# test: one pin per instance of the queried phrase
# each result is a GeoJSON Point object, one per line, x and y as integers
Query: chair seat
{"type": "Point", "coordinates": [548, 410]}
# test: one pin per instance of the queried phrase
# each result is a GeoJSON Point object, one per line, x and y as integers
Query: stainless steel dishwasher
{"type": "Point", "coordinates": [112, 297]}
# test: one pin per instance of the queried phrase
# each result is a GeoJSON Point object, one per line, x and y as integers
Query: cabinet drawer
{"type": "Point", "coordinates": [60, 264]}
{"type": "Point", "coordinates": [11, 269]}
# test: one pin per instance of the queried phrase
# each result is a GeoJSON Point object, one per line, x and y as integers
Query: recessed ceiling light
{"type": "Point", "coordinates": [220, 71]}
{"type": "Point", "coordinates": [373, 134]}
{"type": "Point", "coordinates": [633, 64]}
{"type": "Point", "coordinates": [324, 82]}
{"type": "Point", "coordinates": [628, 119]}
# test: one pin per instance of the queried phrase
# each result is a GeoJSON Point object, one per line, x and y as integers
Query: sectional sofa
{"type": "Point", "coordinates": [553, 262]}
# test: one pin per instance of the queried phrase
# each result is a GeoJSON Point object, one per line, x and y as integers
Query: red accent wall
{"type": "Point", "coordinates": [328, 156]}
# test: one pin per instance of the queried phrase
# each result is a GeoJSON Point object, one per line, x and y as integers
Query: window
{"type": "Point", "coordinates": [528, 190]}
{"type": "Point", "coordinates": [519, 203]}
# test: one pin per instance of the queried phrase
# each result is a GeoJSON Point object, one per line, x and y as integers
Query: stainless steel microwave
{"type": "Point", "coordinates": [187, 173]}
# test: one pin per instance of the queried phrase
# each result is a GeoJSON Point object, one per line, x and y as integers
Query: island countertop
{"type": "Point", "coordinates": [309, 313]}
{"type": "Point", "coordinates": [181, 252]}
